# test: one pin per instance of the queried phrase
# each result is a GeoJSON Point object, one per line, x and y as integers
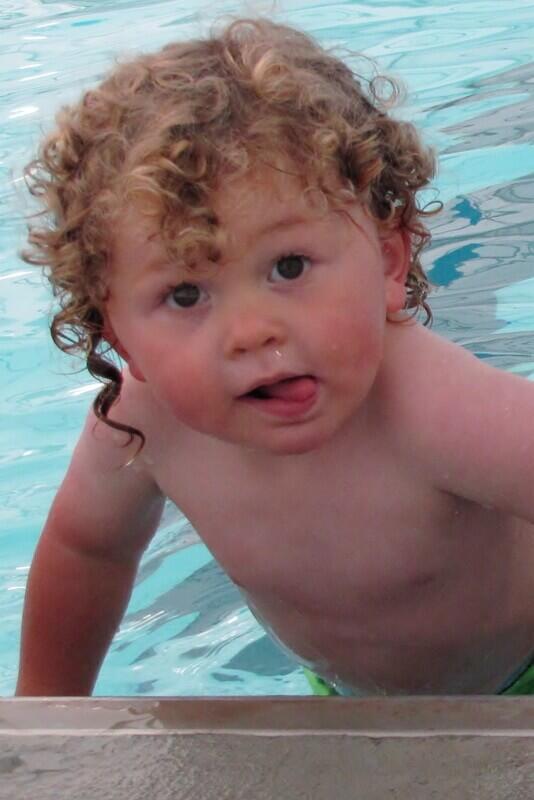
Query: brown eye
{"type": "Point", "coordinates": [185, 295]}
{"type": "Point", "coordinates": [290, 267]}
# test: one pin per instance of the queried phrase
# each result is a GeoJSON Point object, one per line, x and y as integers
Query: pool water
{"type": "Point", "coordinates": [470, 77]}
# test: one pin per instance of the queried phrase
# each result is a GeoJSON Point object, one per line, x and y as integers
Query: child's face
{"type": "Point", "coordinates": [277, 346]}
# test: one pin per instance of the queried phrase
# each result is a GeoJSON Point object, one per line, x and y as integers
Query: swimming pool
{"type": "Point", "coordinates": [469, 73]}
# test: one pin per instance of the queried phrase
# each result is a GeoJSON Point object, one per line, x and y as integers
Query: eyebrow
{"type": "Point", "coordinates": [282, 223]}
{"type": "Point", "coordinates": [160, 264]}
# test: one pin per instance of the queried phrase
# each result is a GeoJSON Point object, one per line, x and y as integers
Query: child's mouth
{"type": "Point", "coordinates": [286, 397]}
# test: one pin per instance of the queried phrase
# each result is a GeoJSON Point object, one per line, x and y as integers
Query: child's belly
{"type": "Point", "coordinates": [371, 660]}
{"type": "Point", "coordinates": [459, 631]}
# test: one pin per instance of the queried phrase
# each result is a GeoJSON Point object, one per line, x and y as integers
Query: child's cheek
{"type": "Point", "coordinates": [189, 393]}
{"type": "Point", "coordinates": [355, 336]}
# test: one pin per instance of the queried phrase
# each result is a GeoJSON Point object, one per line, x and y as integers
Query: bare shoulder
{"type": "Point", "coordinates": [417, 355]}
{"type": "Point", "coordinates": [109, 498]}
{"type": "Point", "coordinates": [165, 440]}
{"type": "Point", "coordinates": [468, 425]}
{"type": "Point", "coordinates": [110, 449]}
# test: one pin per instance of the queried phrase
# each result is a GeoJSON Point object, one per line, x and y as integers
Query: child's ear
{"type": "Point", "coordinates": [109, 335]}
{"type": "Point", "coordinates": [396, 254]}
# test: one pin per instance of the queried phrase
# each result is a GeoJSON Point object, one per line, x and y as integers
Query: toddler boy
{"type": "Point", "coordinates": [237, 218]}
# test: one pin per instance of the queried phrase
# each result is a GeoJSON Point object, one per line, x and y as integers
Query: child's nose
{"type": "Point", "coordinates": [251, 332]}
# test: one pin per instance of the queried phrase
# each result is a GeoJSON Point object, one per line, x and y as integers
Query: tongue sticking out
{"type": "Point", "coordinates": [292, 389]}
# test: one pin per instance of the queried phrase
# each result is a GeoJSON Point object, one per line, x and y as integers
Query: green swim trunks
{"type": "Point", "coordinates": [522, 684]}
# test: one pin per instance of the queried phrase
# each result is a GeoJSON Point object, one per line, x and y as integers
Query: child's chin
{"type": "Point", "coordinates": [291, 443]}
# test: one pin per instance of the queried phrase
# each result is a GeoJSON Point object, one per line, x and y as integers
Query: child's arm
{"type": "Point", "coordinates": [468, 427]}
{"type": "Point", "coordinates": [84, 567]}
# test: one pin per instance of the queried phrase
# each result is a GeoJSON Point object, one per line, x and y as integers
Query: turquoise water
{"type": "Point", "coordinates": [470, 77]}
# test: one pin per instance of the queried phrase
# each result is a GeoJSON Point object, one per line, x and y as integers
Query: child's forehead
{"type": "Point", "coordinates": [247, 208]}
{"type": "Point", "coordinates": [265, 197]}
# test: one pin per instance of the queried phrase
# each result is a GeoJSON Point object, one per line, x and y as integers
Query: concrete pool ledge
{"type": "Point", "coordinates": [262, 748]}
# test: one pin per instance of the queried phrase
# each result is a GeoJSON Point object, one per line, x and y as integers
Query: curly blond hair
{"type": "Point", "coordinates": [163, 129]}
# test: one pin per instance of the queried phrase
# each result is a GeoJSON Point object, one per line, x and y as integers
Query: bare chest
{"type": "Point", "coordinates": [322, 532]}
{"type": "Point", "coordinates": [354, 562]}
